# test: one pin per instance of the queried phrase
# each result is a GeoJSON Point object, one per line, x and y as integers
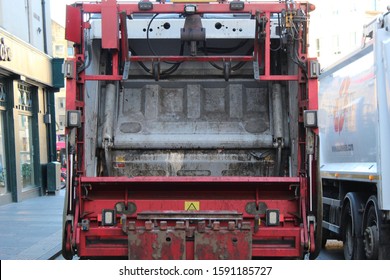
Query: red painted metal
{"type": "Point", "coordinates": [190, 180]}
{"type": "Point", "coordinates": [268, 242]}
{"type": "Point", "coordinates": [68, 237]}
{"type": "Point", "coordinates": [73, 29]}
{"type": "Point", "coordinates": [102, 78]}
{"type": "Point", "coordinates": [124, 39]}
{"type": "Point", "coordinates": [312, 94]}
{"type": "Point", "coordinates": [249, 8]}
{"type": "Point", "coordinates": [110, 19]}
{"type": "Point", "coordinates": [278, 77]}
{"type": "Point", "coordinates": [312, 238]}
{"type": "Point", "coordinates": [214, 195]}
{"type": "Point", "coordinates": [267, 57]}
{"type": "Point", "coordinates": [223, 244]}
{"type": "Point", "coordinates": [110, 40]}
{"type": "Point", "coordinates": [71, 85]}
{"type": "Point", "coordinates": [191, 58]}
{"type": "Point", "coordinates": [157, 244]}
{"type": "Point", "coordinates": [119, 78]}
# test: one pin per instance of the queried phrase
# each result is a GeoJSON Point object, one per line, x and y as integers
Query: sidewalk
{"type": "Point", "coordinates": [32, 229]}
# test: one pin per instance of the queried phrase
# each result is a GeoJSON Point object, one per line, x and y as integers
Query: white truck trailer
{"type": "Point", "coordinates": [354, 124]}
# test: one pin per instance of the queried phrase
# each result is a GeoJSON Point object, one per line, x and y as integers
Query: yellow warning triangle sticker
{"type": "Point", "coordinates": [191, 206]}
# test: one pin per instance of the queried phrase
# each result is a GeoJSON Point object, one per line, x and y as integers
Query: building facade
{"type": "Point", "coordinates": [336, 27]}
{"type": "Point", "coordinates": [27, 112]}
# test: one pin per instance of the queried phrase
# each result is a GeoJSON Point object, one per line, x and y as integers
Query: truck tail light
{"type": "Point", "coordinates": [312, 7]}
{"type": "Point", "coordinates": [145, 5]}
{"type": "Point", "coordinates": [310, 118]}
{"type": "Point", "coordinates": [73, 118]}
{"type": "Point", "coordinates": [272, 217]}
{"type": "Point", "coordinates": [190, 9]}
{"type": "Point", "coordinates": [108, 217]}
{"type": "Point", "coordinates": [237, 5]}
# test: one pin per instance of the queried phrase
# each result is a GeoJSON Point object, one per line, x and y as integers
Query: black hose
{"type": "Point", "coordinates": [150, 45]}
{"type": "Point", "coordinates": [166, 72]}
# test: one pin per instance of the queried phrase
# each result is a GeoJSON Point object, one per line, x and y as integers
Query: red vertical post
{"type": "Point", "coordinates": [124, 39]}
{"type": "Point", "coordinates": [71, 85]}
{"type": "Point", "coordinates": [267, 55]}
{"type": "Point", "coordinates": [110, 21]}
{"type": "Point", "coordinates": [312, 90]}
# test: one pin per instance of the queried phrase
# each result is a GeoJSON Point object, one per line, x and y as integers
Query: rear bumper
{"type": "Point", "coordinates": [189, 218]}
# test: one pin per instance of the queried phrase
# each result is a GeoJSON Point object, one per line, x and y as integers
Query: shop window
{"type": "Point", "coordinates": [62, 102]}
{"type": "Point", "coordinates": [70, 51]}
{"type": "Point", "coordinates": [59, 49]}
{"type": "Point", "coordinates": [26, 151]}
{"type": "Point", "coordinates": [61, 119]}
{"type": "Point", "coordinates": [25, 101]}
{"type": "Point", "coordinates": [3, 96]}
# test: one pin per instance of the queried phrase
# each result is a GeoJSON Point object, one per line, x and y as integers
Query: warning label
{"type": "Point", "coordinates": [192, 205]}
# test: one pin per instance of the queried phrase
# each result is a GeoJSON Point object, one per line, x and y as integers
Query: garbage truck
{"type": "Point", "coordinates": [191, 131]}
{"type": "Point", "coordinates": [354, 128]}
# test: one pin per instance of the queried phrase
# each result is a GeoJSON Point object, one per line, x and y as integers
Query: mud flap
{"type": "Point", "coordinates": [157, 245]}
{"type": "Point", "coordinates": [170, 243]}
{"type": "Point", "coordinates": [223, 245]}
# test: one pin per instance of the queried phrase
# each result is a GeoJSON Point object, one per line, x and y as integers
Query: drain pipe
{"type": "Point", "coordinates": [44, 29]}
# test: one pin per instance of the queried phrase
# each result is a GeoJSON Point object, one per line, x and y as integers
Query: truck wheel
{"type": "Point", "coordinates": [351, 226]}
{"type": "Point", "coordinates": [67, 251]}
{"type": "Point", "coordinates": [348, 234]}
{"type": "Point", "coordinates": [371, 231]}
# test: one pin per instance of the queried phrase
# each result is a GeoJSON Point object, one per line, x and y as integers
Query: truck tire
{"type": "Point", "coordinates": [348, 239]}
{"type": "Point", "coordinates": [371, 229]}
{"type": "Point", "coordinates": [352, 227]}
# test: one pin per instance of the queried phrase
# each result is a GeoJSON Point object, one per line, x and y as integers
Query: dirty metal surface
{"type": "Point", "coordinates": [193, 114]}
{"type": "Point", "coordinates": [157, 245]}
{"type": "Point", "coordinates": [223, 244]}
{"type": "Point", "coordinates": [188, 215]}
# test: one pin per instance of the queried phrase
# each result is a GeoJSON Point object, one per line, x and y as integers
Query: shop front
{"type": "Point", "coordinates": [26, 113]}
